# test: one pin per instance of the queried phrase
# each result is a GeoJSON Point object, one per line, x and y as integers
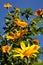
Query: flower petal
{"type": "Point", "coordinates": [35, 55]}
{"type": "Point", "coordinates": [17, 50]}
{"type": "Point", "coordinates": [18, 55]}
{"type": "Point", "coordinates": [23, 45]}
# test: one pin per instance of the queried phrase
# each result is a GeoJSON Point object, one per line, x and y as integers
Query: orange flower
{"type": "Point", "coordinates": [36, 41]}
{"type": "Point", "coordinates": [38, 12]}
{"type": "Point", "coordinates": [16, 36]}
{"type": "Point", "coordinates": [23, 32]}
{"type": "Point", "coordinates": [31, 51]}
{"type": "Point", "coordinates": [7, 5]}
{"type": "Point", "coordinates": [20, 23]}
{"type": "Point", "coordinates": [19, 34]}
{"type": "Point", "coordinates": [28, 51]}
{"type": "Point", "coordinates": [5, 49]}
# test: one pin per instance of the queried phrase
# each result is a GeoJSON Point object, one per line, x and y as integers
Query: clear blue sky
{"type": "Point", "coordinates": [34, 4]}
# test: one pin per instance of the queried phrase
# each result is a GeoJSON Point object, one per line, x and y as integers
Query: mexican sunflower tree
{"type": "Point", "coordinates": [19, 44]}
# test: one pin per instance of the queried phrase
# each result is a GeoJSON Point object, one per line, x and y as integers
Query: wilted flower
{"type": "Point", "coordinates": [17, 9]}
{"type": "Point", "coordinates": [36, 41]}
{"type": "Point", "coordinates": [38, 12]}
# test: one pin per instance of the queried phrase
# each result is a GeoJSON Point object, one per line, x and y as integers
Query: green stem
{"type": "Point", "coordinates": [8, 10]}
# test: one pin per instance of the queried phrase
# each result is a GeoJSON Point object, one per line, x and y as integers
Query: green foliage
{"type": "Point", "coordinates": [1, 37]}
{"type": "Point", "coordinates": [33, 29]}
{"type": "Point", "coordinates": [40, 30]}
{"type": "Point", "coordinates": [28, 11]}
{"type": "Point", "coordinates": [38, 63]}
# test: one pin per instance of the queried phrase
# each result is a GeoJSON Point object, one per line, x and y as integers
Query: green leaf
{"type": "Point", "coordinates": [40, 30]}
{"type": "Point", "coordinates": [1, 37]}
{"type": "Point", "coordinates": [28, 11]}
{"type": "Point", "coordinates": [7, 23]}
{"type": "Point", "coordinates": [5, 28]}
{"type": "Point", "coordinates": [7, 19]}
{"type": "Point", "coordinates": [38, 63]}
{"type": "Point", "coordinates": [37, 20]}
{"type": "Point", "coordinates": [12, 11]}
{"type": "Point", "coordinates": [33, 31]}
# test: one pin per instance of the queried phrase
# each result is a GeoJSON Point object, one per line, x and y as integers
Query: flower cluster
{"type": "Point", "coordinates": [18, 44]}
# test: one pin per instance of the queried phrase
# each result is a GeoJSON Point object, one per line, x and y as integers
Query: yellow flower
{"type": "Point", "coordinates": [20, 23]}
{"type": "Point", "coordinates": [9, 36]}
{"type": "Point", "coordinates": [15, 36]}
{"type": "Point", "coordinates": [5, 49]}
{"type": "Point", "coordinates": [17, 9]}
{"type": "Point", "coordinates": [26, 51]}
{"type": "Point", "coordinates": [7, 5]}
{"type": "Point", "coordinates": [38, 12]}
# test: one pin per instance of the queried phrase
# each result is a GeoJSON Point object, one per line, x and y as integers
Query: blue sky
{"type": "Point", "coordinates": [34, 4]}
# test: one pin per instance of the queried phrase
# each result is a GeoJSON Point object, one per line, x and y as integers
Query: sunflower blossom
{"type": "Point", "coordinates": [28, 51]}
{"type": "Point", "coordinates": [20, 23]}
{"type": "Point", "coordinates": [7, 5]}
{"type": "Point", "coordinates": [6, 49]}
{"type": "Point", "coordinates": [15, 36]}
